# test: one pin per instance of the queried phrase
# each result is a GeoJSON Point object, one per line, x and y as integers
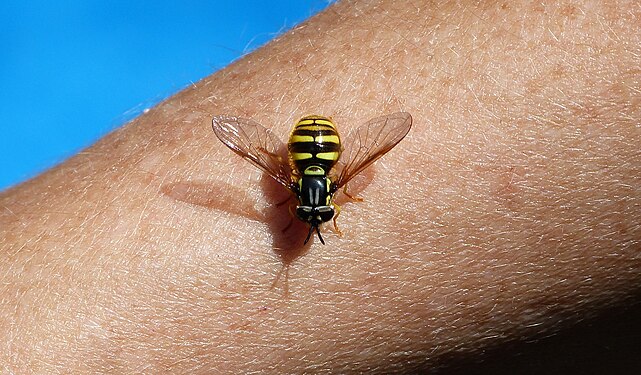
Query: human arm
{"type": "Point", "coordinates": [511, 207]}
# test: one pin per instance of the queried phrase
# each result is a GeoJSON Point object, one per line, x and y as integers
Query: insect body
{"type": "Point", "coordinates": [314, 147]}
{"type": "Point", "coordinates": [316, 164]}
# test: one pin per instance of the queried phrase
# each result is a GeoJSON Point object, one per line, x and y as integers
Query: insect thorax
{"type": "Point", "coordinates": [315, 191]}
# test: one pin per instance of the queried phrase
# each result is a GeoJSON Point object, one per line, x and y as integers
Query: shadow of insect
{"type": "Point", "coordinates": [287, 232]}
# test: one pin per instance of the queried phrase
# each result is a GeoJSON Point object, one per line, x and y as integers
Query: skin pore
{"type": "Point", "coordinates": [510, 210]}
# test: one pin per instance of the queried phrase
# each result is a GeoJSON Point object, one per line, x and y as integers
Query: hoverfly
{"type": "Point", "coordinates": [313, 172]}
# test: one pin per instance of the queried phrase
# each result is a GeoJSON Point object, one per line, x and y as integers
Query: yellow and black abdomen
{"type": "Point", "coordinates": [314, 142]}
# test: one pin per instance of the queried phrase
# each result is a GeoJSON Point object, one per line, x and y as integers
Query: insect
{"type": "Point", "coordinates": [317, 164]}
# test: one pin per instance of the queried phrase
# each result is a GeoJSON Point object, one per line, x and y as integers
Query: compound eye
{"type": "Point", "coordinates": [326, 213]}
{"type": "Point", "coordinates": [304, 213]}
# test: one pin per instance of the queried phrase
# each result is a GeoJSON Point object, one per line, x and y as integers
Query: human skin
{"type": "Point", "coordinates": [509, 211]}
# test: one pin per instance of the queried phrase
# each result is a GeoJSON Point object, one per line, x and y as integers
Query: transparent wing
{"type": "Point", "coordinates": [255, 143]}
{"type": "Point", "coordinates": [369, 142]}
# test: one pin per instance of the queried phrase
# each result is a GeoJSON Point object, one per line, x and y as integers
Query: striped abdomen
{"type": "Point", "coordinates": [314, 142]}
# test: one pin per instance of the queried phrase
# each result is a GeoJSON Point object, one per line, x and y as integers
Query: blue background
{"type": "Point", "coordinates": [71, 71]}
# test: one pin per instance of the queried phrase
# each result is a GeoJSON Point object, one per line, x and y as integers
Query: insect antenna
{"type": "Point", "coordinates": [309, 234]}
{"type": "Point", "coordinates": [319, 235]}
{"type": "Point", "coordinates": [311, 230]}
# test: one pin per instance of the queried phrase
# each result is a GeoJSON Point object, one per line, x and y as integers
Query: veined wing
{"type": "Point", "coordinates": [369, 142]}
{"type": "Point", "coordinates": [255, 143]}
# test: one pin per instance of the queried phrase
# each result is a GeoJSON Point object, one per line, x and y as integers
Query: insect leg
{"type": "Point", "coordinates": [272, 154]}
{"type": "Point", "coordinates": [291, 218]}
{"type": "Point", "coordinates": [354, 198]}
{"type": "Point", "coordinates": [337, 208]}
{"type": "Point", "coordinates": [285, 201]}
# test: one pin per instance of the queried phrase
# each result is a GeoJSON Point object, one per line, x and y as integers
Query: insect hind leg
{"type": "Point", "coordinates": [271, 154]}
{"type": "Point", "coordinates": [350, 196]}
{"type": "Point", "coordinates": [337, 208]}
{"type": "Point", "coordinates": [291, 217]}
{"type": "Point", "coordinates": [289, 197]}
